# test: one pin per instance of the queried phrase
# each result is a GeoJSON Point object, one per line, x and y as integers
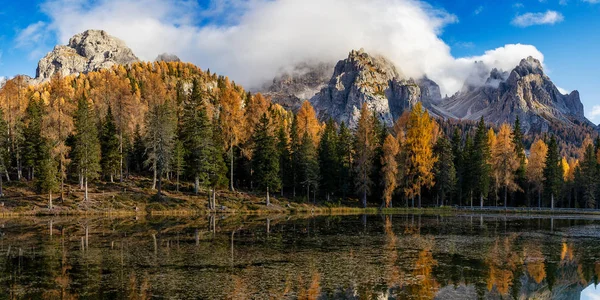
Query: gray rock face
{"type": "Point", "coordinates": [292, 88]}
{"type": "Point", "coordinates": [526, 92]}
{"type": "Point", "coordinates": [362, 78]}
{"type": "Point", "coordinates": [86, 52]}
{"type": "Point", "coordinates": [166, 57]}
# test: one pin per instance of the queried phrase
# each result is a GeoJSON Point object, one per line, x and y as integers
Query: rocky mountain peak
{"type": "Point", "coordinates": [167, 57]}
{"type": "Point", "coordinates": [88, 51]}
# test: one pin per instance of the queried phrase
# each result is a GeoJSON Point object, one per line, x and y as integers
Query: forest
{"type": "Point", "coordinates": [203, 133]}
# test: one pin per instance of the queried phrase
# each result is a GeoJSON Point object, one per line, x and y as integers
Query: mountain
{"type": "Point", "coordinates": [526, 91]}
{"type": "Point", "coordinates": [88, 51]}
{"type": "Point", "coordinates": [166, 57]}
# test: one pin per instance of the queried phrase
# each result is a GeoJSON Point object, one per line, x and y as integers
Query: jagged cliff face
{"type": "Point", "coordinates": [88, 51]}
{"type": "Point", "coordinates": [526, 92]}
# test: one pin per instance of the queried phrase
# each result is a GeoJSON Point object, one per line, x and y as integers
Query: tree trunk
{"type": "Point", "coordinates": [32, 173]}
{"type": "Point", "coordinates": [159, 186]}
{"type": "Point", "coordinates": [539, 198]}
{"type": "Point", "coordinates": [481, 200]}
{"type": "Point", "coordinates": [413, 201]}
{"type": "Point", "coordinates": [112, 180]}
{"type": "Point", "coordinates": [7, 176]}
{"type": "Point", "coordinates": [505, 196]}
{"type": "Point", "coordinates": [177, 183]}
{"type": "Point", "coordinates": [214, 198]}
{"type": "Point", "coordinates": [1, 190]}
{"type": "Point", "coordinates": [419, 197]}
{"type": "Point", "coordinates": [231, 170]}
{"type": "Point", "coordinates": [81, 180]}
{"type": "Point", "coordinates": [50, 200]}
{"type": "Point", "coordinates": [552, 201]}
{"type": "Point", "coordinates": [196, 184]}
{"type": "Point", "coordinates": [86, 198]}
{"type": "Point", "coordinates": [121, 155]}
{"type": "Point", "coordinates": [268, 199]}
{"type": "Point", "coordinates": [364, 199]}
{"type": "Point", "coordinates": [154, 177]}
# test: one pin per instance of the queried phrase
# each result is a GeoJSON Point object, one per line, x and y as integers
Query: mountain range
{"type": "Point", "coordinates": [339, 90]}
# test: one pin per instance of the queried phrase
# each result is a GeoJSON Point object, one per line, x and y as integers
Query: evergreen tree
{"type": "Point", "coordinates": [296, 143]}
{"type": "Point", "coordinates": [308, 165]}
{"type": "Point", "coordinates": [444, 170]}
{"type": "Point", "coordinates": [48, 179]}
{"type": "Point", "coordinates": [87, 145]}
{"type": "Point", "coordinates": [109, 145]}
{"type": "Point", "coordinates": [588, 177]}
{"type": "Point", "coordinates": [517, 138]}
{"type": "Point", "coordinates": [380, 134]}
{"type": "Point", "coordinates": [457, 153]}
{"type": "Point", "coordinates": [4, 145]}
{"type": "Point", "coordinates": [364, 149]}
{"type": "Point", "coordinates": [328, 159]}
{"type": "Point", "coordinates": [217, 171]}
{"type": "Point", "coordinates": [480, 162]}
{"type": "Point", "coordinates": [265, 158]}
{"type": "Point", "coordinates": [178, 160]}
{"type": "Point", "coordinates": [285, 159]}
{"type": "Point", "coordinates": [469, 178]}
{"type": "Point", "coordinates": [33, 136]}
{"type": "Point", "coordinates": [344, 154]}
{"type": "Point", "coordinates": [553, 173]}
{"type": "Point", "coordinates": [137, 156]}
{"type": "Point", "coordinates": [161, 125]}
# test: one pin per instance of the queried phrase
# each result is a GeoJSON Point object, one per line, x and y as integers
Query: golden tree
{"type": "Point", "coordinates": [535, 166]}
{"type": "Point", "coordinates": [418, 146]}
{"type": "Point", "coordinates": [231, 121]}
{"type": "Point", "coordinates": [504, 161]}
{"type": "Point", "coordinates": [308, 122]}
{"type": "Point", "coordinates": [389, 168]}
{"type": "Point", "coordinates": [364, 148]}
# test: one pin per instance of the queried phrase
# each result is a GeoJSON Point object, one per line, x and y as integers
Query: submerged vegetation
{"type": "Point", "coordinates": [166, 136]}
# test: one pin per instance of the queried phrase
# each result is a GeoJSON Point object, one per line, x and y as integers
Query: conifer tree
{"type": "Point", "coordinates": [47, 180]}
{"type": "Point", "coordinates": [33, 136]}
{"type": "Point", "coordinates": [470, 180]}
{"type": "Point", "coordinates": [588, 178]}
{"type": "Point", "coordinates": [553, 174]}
{"type": "Point", "coordinates": [444, 170]}
{"type": "Point", "coordinates": [504, 161]}
{"type": "Point", "coordinates": [137, 157]}
{"type": "Point", "coordinates": [517, 137]}
{"type": "Point", "coordinates": [480, 162]}
{"type": "Point", "coordinates": [4, 145]}
{"type": "Point", "coordinates": [309, 165]}
{"type": "Point", "coordinates": [328, 159]}
{"type": "Point", "coordinates": [231, 121]}
{"type": "Point", "coordinates": [458, 153]}
{"type": "Point", "coordinates": [295, 146]}
{"type": "Point", "coordinates": [344, 154]}
{"type": "Point", "coordinates": [161, 125]}
{"type": "Point", "coordinates": [535, 167]}
{"type": "Point", "coordinates": [265, 158]}
{"type": "Point", "coordinates": [178, 160]}
{"type": "Point", "coordinates": [109, 144]}
{"type": "Point", "coordinates": [87, 145]}
{"type": "Point", "coordinates": [285, 158]}
{"type": "Point", "coordinates": [389, 170]}
{"type": "Point", "coordinates": [364, 150]}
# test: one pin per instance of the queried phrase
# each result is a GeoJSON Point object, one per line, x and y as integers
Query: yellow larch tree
{"type": "Point", "coordinates": [535, 166]}
{"type": "Point", "coordinates": [364, 151]}
{"type": "Point", "coordinates": [232, 124]}
{"type": "Point", "coordinates": [389, 168]}
{"type": "Point", "coordinates": [504, 161]}
{"type": "Point", "coordinates": [308, 122]}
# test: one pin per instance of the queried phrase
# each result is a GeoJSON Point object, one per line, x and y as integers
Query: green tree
{"type": "Point", "coordinates": [308, 165]}
{"type": "Point", "coordinates": [87, 146]}
{"type": "Point", "coordinates": [553, 173]}
{"type": "Point", "coordinates": [161, 125]}
{"type": "Point", "coordinates": [458, 154]}
{"type": "Point", "coordinates": [33, 136]}
{"type": "Point", "coordinates": [344, 154]}
{"type": "Point", "coordinates": [444, 170]}
{"type": "Point", "coordinates": [48, 179]}
{"type": "Point", "coordinates": [178, 161]}
{"type": "Point", "coordinates": [285, 158]}
{"type": "Point", "coordinates": [328, 159]}
{"type": "Point", "coordinates": [295, 146]}
{"type": "Point", "coordinates": [265, 158]}
{"type": "Point", "coordinates": [588, 177]}
{"type": "Point", "coordinates": [109, 145]}
{"type": "Point", "coordinates": [521, 173]}
{"type": "Point", "coordinates": [480, 163]}
{"type": "Point", "coordinates": [137, 156]}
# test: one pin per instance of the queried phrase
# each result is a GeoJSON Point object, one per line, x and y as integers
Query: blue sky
{"type": "Point", "coordinates": [250, 40]}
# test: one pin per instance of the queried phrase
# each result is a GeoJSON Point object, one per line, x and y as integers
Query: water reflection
{"type": "Point", "coordinates": [282, 257]}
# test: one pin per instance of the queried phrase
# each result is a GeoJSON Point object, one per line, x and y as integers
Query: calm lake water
{"type": "Point", "coordinates": [341, 257]}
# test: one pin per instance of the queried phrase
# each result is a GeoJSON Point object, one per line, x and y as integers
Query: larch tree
{"type": "Point", "coordinates": [109, 144]}
{"type": "Point", "coordinates": [364, 150]}
{"type": "Point", "coordinates": [553, 174]}
{"type": "Point", "coordinates": [419, 151]}
{"type": "Point", "coordinates": [13, 102]}
{"type": "Point", "coordinates": [444, 169]}
{"type": "Point", "coordinates": [4, 145]}
{"type": "Point", "coordinates": [389, 169]}
{"type": "Point", "coordinates": [308, 122]}
{"type": "Point", "coordinates": [265, 158]}
{"type": "Point", "coordinates": [504, 161]}
{"type": "Point", "coordinates": [87, 145]}
{"type": "Point", "coordinates": [328, 159]}
{"type": "Point", "coordinates": [231, 121]}
{"type": "Point", "coordinates": [535, 167]}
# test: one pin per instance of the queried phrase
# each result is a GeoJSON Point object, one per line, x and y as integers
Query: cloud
{"type": "Point", "coordinates": [594, 114]}
{"type": "Point", "coordinates": [591, 1]}
{"type": "Point", "coordinates": [562, 91]}
{"type": "Point", "coordinates": [251, 41]}
{"type": "Point", "coordinates": [478, 10]}
{"type": "Point", "coordinates": [550, 17]}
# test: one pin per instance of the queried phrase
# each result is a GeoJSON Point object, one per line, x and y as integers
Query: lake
{"type": "Point", "coordinates": [295, 257]}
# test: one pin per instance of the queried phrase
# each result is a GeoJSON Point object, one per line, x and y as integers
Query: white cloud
{"type": "Point", "coordinates": [562, 91]}
{"type": "Point", "coordinates": [594, 114]}
{"type": "Point", "coordinates": [251, 41]}
{"type": "Point", "coordinates": [592, 1]}
{"type": "Point", "coordinates": [478, 10]}
{"type": "Point", "coordinates": [550, 17]}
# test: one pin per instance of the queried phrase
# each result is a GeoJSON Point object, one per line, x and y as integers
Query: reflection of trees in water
{"type": "Point", "coordinates": [502, 262]}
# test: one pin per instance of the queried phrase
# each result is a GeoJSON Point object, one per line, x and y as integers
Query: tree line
{"type": "Point", "coordinates": [204, 133]}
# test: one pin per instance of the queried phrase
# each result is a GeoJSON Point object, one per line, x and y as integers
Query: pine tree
{"type": "Point", "coordinates": [328, 159]}
{"type": "Point", "coordinates": [444, 170]}
{"type": "Point", "coordinates": [308, 165]}
{"type": "Point", "coordinates": [109, 145]}
{"type": "Point", "coordinates": [380, 134]}
{"type": "Point", "coordinates": [389, 169]}
{"type": "Point", "coordinates": [458, 153]}
{"type": "Point", "coordinates": [47, 180]}
{"type": "Point", "coordinates": [33, 136]}
{"type": "Point", "coordinates": [535, 167]}
{"type": "Point", "coordinates": [517, 137]}
{"type": "Point", "coordinates": [364, 150]}
{"type": "Point", "coordinates": [588, 179]}
{"type": "Point", "coordinates": [161, 125]}
{"type": "Point", "coordinates": [470, 180]}
{"type": "Point", "coordinates": [285, 159]}
{"type": "Point", "coordinates": [553, 174]}
{"type": "Point", "coordinates": [178, 160]}
{"type": "Point", "coordinates": [504, 161]}
{"type": "Point", "coordinates": [480, 162]}
{"type": "Point", "coordinates": [4, 145]}
{"type": "Point", "coordinates": [87, 145]}
{"type": "Point", "coordinates": [137, 156]}
{"type": "Point", "coordinates": [344, 154]}
{"type": "Point", "coordinates": [265, 158]}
